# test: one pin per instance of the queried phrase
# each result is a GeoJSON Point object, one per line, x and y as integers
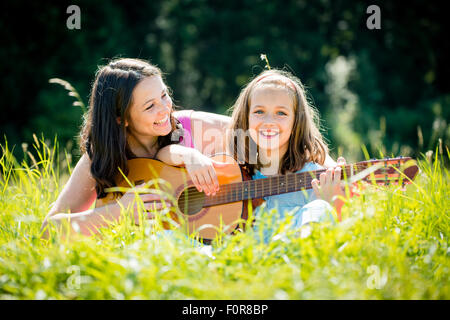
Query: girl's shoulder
{"type": "Point", "coordinates": [311, 166]}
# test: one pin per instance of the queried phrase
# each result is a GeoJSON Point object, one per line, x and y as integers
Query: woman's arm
{"type": "Point", "coordinates": [75, 200]}
{"type": "Point", "coordinates": [77, 197]}
{"type": "Point", "coordinates": [209, 131]}
{"type": "Point", "coordinates": [79, 192]}
{"type": "Point", "coordinates": [200, 167]}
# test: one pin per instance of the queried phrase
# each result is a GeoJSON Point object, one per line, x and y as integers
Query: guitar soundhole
{"type": "Point", "coordinates": [191, 201]}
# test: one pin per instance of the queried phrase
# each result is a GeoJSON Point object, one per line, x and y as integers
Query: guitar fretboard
{"type": "Point", "coordinates": [274, 185]}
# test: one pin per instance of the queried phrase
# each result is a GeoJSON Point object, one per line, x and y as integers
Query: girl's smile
{"type": "Point", "coordinates": [271, 118]}
{"type": "Point", "coordinates": [268, 133]}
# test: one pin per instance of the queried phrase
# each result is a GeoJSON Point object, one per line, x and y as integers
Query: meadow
{"type": "Point", "coordinates": [390, 244]}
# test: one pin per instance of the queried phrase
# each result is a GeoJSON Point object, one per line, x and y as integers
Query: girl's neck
{"type": "Point", "coordinates": [271, 160]}
{"type": "Point", "coordinates": [143, 147]}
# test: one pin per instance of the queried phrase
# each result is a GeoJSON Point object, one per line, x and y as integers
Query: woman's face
{"type": "Point", "coordinates": [150, 110]}
{"type": "Point", "coordinates": [271, 118]}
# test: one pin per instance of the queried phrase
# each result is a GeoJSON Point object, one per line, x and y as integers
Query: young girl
{"type": "Point", "coordinates": [275, 131]}
{"type": "Point", "coordinates": [130, 115]}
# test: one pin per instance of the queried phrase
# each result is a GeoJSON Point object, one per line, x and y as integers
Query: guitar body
{"type": "Point", "coordinates": [227, 211]}
{"type": "Point", "coordinates": [180, 186]}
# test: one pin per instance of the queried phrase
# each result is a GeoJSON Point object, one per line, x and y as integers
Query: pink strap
{"type": "Point", "coordinates": [184, 116]}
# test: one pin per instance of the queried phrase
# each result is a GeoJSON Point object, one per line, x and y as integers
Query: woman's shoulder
{"type": "Point", "coordinates": [211, 117]}
{"type": "Point", "coordinates": [183, 113]}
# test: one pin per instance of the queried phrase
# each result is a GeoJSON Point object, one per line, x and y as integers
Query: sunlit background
{"type": "Point", "coordinates": [386, 89]}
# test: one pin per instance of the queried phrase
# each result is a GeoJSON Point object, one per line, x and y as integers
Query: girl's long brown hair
{"type": "Point", "coordinates": [101, 137]}
{"type": "Point", "coordinates": [306, 142]}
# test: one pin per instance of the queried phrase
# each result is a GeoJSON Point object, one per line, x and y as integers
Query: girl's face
{"type": "Point", "coordinates": [150, 110]}
{"type": "Point", "coordinates": [271, 118]}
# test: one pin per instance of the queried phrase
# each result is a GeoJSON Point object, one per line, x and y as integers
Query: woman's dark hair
{"type": "Point", "coordinates": [101, 137]}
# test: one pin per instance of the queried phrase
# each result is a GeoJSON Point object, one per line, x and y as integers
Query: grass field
{"type": "Point", "coordinates": [391, 244]}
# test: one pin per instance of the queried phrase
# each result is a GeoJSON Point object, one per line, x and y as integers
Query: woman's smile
{"type": "Point", "coordinates": [163, 122]}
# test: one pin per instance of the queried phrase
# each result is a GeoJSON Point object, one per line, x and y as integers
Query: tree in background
{"type": "Point", "coordinates": [383, 88]}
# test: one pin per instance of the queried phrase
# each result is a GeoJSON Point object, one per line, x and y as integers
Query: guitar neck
{"type": "Point", "coordinates": [279, 184]}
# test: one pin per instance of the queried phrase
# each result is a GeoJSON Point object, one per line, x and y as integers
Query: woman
{"type": "Point", "coordinates": [131, 115]}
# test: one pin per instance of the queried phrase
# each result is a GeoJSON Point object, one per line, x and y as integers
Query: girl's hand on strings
{"type": "Point", "coordinates": [329, 186]}
{"type": "Point", "coordinates": [202, 171]}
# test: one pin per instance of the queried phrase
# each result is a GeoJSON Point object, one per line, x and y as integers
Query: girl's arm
{"type": "Point", "coordinates": [329, 186]}
{"type": "Point", "coordinates": [329, 162]}
{"type": "Point", "coordinates": [78, 196]}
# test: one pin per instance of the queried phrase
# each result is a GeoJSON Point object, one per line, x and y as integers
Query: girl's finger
{"type": "Point", "coordinates": [314, 184]}
{"type": "Point", "coordinates": [323, 177]}
{"type": "Point", "coordinates": [337, 175]}
{"type": "Point", "coordinates": [329, 176]}
{"type": "Point", "coordinates": [341, 160]}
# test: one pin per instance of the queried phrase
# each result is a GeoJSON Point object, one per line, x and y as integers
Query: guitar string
{"type": "Point", "coordinates": [223, 194]}
{"type": "Point", "coordinates": [290, 182]}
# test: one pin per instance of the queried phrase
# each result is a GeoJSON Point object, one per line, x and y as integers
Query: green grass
{"type": "Point", "coordinates": [390, 245]}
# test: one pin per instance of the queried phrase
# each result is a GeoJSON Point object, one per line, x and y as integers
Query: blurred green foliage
{"type": "Point", "coordinates": [383, 87]}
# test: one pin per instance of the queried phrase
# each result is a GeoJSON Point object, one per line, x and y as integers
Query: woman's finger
{"type": "Point", "coordinates": [203, 177]}
{"type": "Point", "coordinates": [156, 205]}
{"type": "Point", "coordinates": [147, 197]}
{"type": "Point", "coordinates": [213, 176]}
{"type": "Point", "coordinates": [209, 183]}
{"type": "Point", "coordinates": [202, 183]}
{"type": "Point", "coordinates": [194, 179]}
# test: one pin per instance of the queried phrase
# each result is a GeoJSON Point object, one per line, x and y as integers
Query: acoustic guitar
{"type": "Point", "coordinates": [227, 210]}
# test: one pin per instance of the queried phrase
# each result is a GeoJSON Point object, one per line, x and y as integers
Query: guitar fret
{"type": "Point", "coordinates": [295, 182]}
{"type": "Point", "coordinates": [261, 188]}
{"type": "Point", "coordinates": [270, 184]}
{"type": "Point", "coordinates": [291, 182]}
{"type": "Point", "coordinates": [278, 184]}
{"type": "Point", "coordinates": [247, 191]}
